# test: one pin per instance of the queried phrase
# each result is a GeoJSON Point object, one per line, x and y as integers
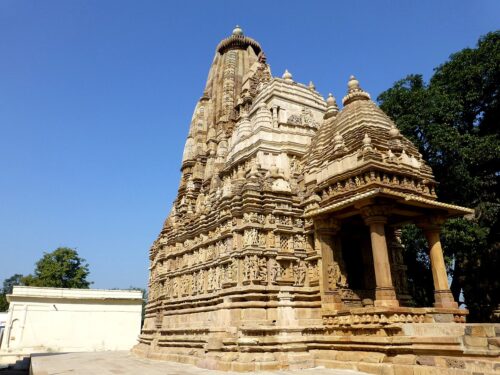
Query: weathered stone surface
{"type": "Point", "coordinates": [403, 370]}
{"type": "Point", "coordinates": [476, 341]}
{"type": "Point", "coordinates": [426, 360]}
{"type": "Point", "coordinates": [405, 359]}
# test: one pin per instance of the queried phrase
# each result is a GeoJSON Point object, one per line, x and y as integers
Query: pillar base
{"type": "Point", "coordinates": [385, 297]}
{"type": "Point", "coordinates": [444, 299]}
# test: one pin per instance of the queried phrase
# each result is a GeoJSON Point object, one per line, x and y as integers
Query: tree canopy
{"type": "Point", "coordinates": [8, 285]}
{"type": "Point", "coordinates": [62, 268]}
{"type": "Point", "coordinates": [454, 120]}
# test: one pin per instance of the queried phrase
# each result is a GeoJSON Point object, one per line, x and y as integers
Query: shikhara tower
{"type": "Point", "coordinates": [282, 246]}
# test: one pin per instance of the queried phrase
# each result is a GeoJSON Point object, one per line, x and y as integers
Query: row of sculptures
{"type": "Point", "coordinates": [390, 180]}
{"type": "Point", "coordinates": [250, 269]}
{"type": "Point", "coordinates": [170, 261]}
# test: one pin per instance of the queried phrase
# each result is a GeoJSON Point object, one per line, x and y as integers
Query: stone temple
{"type": "Point", "coordinates": [282, 249]}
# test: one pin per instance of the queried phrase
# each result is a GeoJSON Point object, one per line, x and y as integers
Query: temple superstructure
{"type": "Point", "coordinates": [284, 239]}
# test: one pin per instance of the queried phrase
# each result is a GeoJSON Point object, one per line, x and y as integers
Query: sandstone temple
{"type": "Point", "coordinates": [283, 249]}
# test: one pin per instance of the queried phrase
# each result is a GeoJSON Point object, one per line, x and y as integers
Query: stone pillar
{"type": "Point", "coordinates": [442, 294]}
{"type": "Point", "coordinates": [324, 232]}
{"type": "Point", "coordinates": [385, 295]}
{"type": "Point", "coordinates": [398, 267]}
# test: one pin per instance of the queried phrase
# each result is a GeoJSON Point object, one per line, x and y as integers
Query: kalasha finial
{"type": "Point", "coordinates": [354, 92]}
{"type": "Point", "coordinates": [331, 107]}
{"type": "Point", "coordinates": [237, 30]}
{"type": "Point", "coordinates": [330, 101]}
{"type": "Point", "coordinates": [353, 83]}
{"type": "Point", "coordinates": [287, 75]}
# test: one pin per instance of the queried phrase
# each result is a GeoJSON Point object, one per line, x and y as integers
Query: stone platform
{"type": "Point", "coordinates": [124, 363]}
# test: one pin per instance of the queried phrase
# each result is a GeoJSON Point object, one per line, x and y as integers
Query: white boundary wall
{"type": "Point", "coordinates": [64, 320]}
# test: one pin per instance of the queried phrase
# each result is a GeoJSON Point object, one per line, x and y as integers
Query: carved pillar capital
{"type": "Point", "coordinates": [375, 213]}
{"type": "Point", "coordinates": [431, 223]}
{"type": "Point", "coordinates": [326, 226]}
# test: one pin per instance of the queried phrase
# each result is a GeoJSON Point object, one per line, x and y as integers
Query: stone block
{"type": "Point", "coordinates": [238, 366]}
{"type": "Point", "coordinates": [425, 360]}
{"type": "Point", "coordinates": [443, 318]}
{"type": "Point", "coordinates": [489, 329]}
{"type": "Point", "coordinates": [476, 341]}
{"type": "Point", "coordinates": [214, 343]}
{"type": "Point", "coordinates": [325, 354]}
{"type": "Point", "coordinates": [403, 370]}
{"type": "Point", "coordinates": [370, 357]}
{"type": "Point", "coordinates": [335, 364]}
{"type": "Point", "coordinates": [480, 330]}
{"type": "Point", "coordinates": [405, 359]}
{"type": "Point", "coordinates": [494, 342]}
{"type": "Point", "coordinates": [254, 314]}
{"type": "Point", "coordinates": [378, 369]}
{"type": "Point", "coordinates": [268, 366]}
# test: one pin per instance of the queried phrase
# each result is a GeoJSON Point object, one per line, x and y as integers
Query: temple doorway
{"type": "Point", "coordinates": [358, 259]}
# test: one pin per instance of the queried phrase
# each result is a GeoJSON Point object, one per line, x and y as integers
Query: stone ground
{"type": "Point", "coordinates": [123, 363]}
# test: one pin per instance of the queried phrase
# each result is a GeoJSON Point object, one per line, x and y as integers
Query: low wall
{"type": "Point", "coordinates": [57, 320]}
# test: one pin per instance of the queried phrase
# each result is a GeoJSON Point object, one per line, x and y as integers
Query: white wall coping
{"type": "Point", "coordinates": [41, 292]}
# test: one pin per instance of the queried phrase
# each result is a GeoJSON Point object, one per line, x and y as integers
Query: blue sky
{"type": "Point", "coordinates": [96, 98]}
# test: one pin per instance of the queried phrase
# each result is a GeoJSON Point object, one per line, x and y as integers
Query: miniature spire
{"type": "Point", "coordinates": [312, 86]}
{"type": "Point", "coordinates": [331, 107]}
{"type": "Point", "coordinates": [367, 143]}
{"type": "Point", "coordinates": [354, 92]}
{"type": "Point", "coordinates": [338, 143]}
{"type": "Point", "coordinates": [393, 131]}
{"type": "Point", "coordinates": [237, 30]}
{"type": "Point", "coordinates": [287, 76]}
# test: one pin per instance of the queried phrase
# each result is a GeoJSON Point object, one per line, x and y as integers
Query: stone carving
{"type": "Point", "coordinates": [250, 268]}
{"type": "Point", "coordinates": [336, 278]}
{"type": "Point", "coordinates": [299, 273]}
{"type": "Point", "coordinates": [251, 237]}
{"type": "Point", "coordinates": [275, 271]}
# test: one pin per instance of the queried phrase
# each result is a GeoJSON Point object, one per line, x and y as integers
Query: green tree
{"type": "Point", "coordinates": [8, 285]}
{"type": "Point", "coordinates": [454, 120]}
{"type": "Point", "coordinates": [62, 268]}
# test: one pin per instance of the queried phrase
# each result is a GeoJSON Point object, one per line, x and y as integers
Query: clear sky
{"type": "Point", "coordinates": [96, 97]}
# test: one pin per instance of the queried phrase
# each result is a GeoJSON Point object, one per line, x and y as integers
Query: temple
{"type": "Point", "coordinates": [282, 248]}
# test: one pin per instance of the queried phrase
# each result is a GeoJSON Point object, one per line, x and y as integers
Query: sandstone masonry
{"type": "Point", "coordinates": [283, 249]}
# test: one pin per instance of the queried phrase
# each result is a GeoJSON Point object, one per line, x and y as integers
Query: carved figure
{"type": "Point", "coordinates": [336, 278]}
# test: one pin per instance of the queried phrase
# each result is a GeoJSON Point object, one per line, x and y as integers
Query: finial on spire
{"type": "Point", "coordinates": [354, 92]}
{"type": "Point", "coordinates": [353, 83]}
{"type": "Point", "coordinates": [237, 30]}
{"type": "Point", "coordinates": [287, 76]}
{"type": "Point", "coordinates": [331, 107]}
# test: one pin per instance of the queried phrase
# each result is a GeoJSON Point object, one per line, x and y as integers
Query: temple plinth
{"type": "Point", "coordinates": [283, 243]}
